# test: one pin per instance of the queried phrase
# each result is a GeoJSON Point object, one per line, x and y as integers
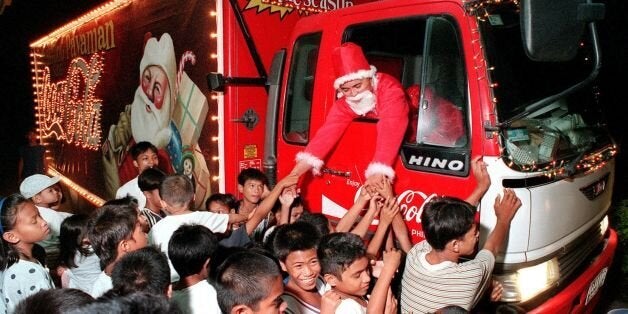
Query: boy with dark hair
{"type": "Point", "coordinates": [176, 194]}
{"type": "Point", "coordinates": [241, 236]}
{"type": "Point", "coordinates": [251, 184]}
{"type": "Point", "coordinates": [451, 232]}
{"type": "Point", "coordinates": [221, 203]}
{"type": "Point", "coordinates": [144, 157]}
{"type": "Point", "coordinates": [144, 270]}
{"type": "Point", "coordinates": [190, 249]}
{"type": "Point", "coordinates": [249, 282]}
{"type": "Point", "coordinates": [295, 246]}
{"type": "Point", "coordinates": [346, 269]}
{"type": "Point", "coordinates": [149, 181]}
{"type": "Point", "coordinates": [113, 231]}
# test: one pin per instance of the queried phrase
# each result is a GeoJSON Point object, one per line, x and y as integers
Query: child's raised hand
{"type": "Point", "coordinates": [287, 196]}
{"type": "Point", "coordinates": [384, 188]}
{"type": "Point", "coordinates": [389, 210]}
{"type": "Point", "coordinates": [506, 206]}
{"type": "Point", "coordinates": [365, 195]}
{"type": "Point", "coordinates": [330, 301]}
{"type": "Point", "coordinates": [478, 167]}
{"type": "Point", "coordinates": [375, 204]}
{"type": "Point", "coordinates": [392, 259]}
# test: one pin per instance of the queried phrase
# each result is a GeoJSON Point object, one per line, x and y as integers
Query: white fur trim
{"type": "Point", "coordinates": [380, 168]}
{"type": "Point", "coordinates": [315, 162]}
{"type": "Point", "coordinates": [355, 76]}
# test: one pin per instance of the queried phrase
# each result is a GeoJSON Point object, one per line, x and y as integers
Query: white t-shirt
{"type": "Point", "coordinates": [133, 189]}
{"type": "Point", "coordinates": [161, 232]}
{"type": "Point", "coordinates": [197, 299]}
{"type": "Point", "coordinates": [350, 306]}
{"type": "Point", "coordinates": [23, 279]}
{"type": "Point", "coordinates": [86, 272]}
{"type": "Point", "coordinates": [54, 220]}
{"type": "Point", "coordinates": [103, 284]}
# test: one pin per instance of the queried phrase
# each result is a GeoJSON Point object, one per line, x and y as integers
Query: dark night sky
{"type": "Point", "coordinates": [27, 20]}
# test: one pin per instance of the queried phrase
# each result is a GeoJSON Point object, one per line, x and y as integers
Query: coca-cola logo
{"type": "Point", "coordinates": [411, 207]}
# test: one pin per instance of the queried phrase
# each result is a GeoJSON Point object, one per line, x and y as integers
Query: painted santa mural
{"type": "Point", "coordinates": [168, 110]}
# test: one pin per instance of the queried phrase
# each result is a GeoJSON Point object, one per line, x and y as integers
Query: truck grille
{"type": "Point", "coordinates": [576, 253]}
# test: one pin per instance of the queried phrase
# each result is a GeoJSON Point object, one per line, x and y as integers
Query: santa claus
{"type": "Point", "coordinates": [152, 107]}
{"type": "Point", "coordinates": [363, 92]}
{"type": "Point", "coordinates": [150, 115]}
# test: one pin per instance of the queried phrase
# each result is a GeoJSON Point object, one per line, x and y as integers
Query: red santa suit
{"type": "Point", "coordinates": [391, 108]}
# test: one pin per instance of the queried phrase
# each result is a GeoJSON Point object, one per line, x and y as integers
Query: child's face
{"type": "Point", "coordinates": [303, 268]}
{"type": "Point", "coordinates": [145, 160]}
{"type": "Point", "coordinates": [138, 238]}
{"type": "Point", "coordinates": [218, 208]}
{"type": "Point", "coordinates": [273, 303]}
{"type": "Point", "coordinates": [46, 197]}
{"type": "Point", "coordinates": [355, 279]}
{"type": "Point", "coordinates": [29, 226]}
{"type": "Point", "coordinates": [296, 213]}
{"type": "Point", "coordinates": [466, 245]}
{"type": "Point", "coordinates": [252, 191]}
{"type": "Point", "coordinates": [153, 198]}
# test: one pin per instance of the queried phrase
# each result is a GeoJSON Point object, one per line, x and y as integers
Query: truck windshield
{"type": "Point", "coordinates": [563, 131]}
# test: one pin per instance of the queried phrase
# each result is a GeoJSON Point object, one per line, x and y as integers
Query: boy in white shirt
{"type": "Point", "coordinates": [177, 192]}
{"type": "Point", "coordinates": [190, 249]}
{"type": "Point", "coordinates": [41, 190]}
{"type": "Point", "coordinates": [113, 231]}
{"type": "Point", "coordinates": [144, 157]}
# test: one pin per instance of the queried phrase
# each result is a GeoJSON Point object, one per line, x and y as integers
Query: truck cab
{"type": "Point", "coordinates": [478, 86]}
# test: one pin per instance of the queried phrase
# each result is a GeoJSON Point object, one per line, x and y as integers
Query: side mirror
{"type": "Point", "coordinates": [552, 29]}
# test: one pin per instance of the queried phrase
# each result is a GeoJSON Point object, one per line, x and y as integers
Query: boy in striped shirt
{"type": "Point", "coordinates": [433, 278]}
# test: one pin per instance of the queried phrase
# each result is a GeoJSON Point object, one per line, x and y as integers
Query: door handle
{"type": "Point", "coordinates": [249, 119]}
{"type": "Point", "coordinates": [334, 172]}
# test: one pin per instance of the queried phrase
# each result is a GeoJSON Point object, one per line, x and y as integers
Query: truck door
{"type": "Point", "coordinates": [425, 53]}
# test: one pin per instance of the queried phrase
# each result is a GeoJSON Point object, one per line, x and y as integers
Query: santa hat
{"type": "Point", "coordinates": [161, 53]}
{"type": "Point", "coordinates": [350, 64]}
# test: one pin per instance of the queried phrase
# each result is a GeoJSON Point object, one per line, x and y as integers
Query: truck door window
{"type": "Point", "coordinates": [300, 88]}
{"type": "Point", "coordinates": [417, 49]}
{"type": "Point", "coordinates": [442, 97]}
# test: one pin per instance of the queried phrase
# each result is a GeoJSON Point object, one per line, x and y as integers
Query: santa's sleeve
{"type": "Point", "coordinates": [392, 106]}
{"type": "Point", "coordinates": [327, 136]}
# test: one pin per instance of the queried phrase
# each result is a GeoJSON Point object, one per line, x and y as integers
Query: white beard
{"type": "Point", "coordinates": [149, 123]}
{"type": "Point", "coordinates": [362, 103]}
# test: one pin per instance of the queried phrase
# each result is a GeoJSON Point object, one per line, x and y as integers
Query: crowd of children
{"type": "Point", "coordinates": [263, 254]}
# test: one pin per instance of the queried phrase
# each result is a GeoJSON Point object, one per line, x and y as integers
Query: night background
{"type": "Point", "coordinates": [23, 21]}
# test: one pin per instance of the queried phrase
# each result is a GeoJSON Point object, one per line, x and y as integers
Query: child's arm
{"type": "Point", "coordinates": [386, 216]}
{"type": "Point", "coordinates": [374, 208]}
{"type": "Point", "coordinates": [478, 167]}
{"type": "Point", "coordinates": [398, 225]}
{"type": "Point", "coordinates": [505, 209]}
{"type": "Point", "coordinates": [401, 233]}
{"type": "Point", "coordinates": [267, 204]}
{"type": "Point", "coordinates": [347, 221]}
{"type": "Point", "coordinates": [377, 302]}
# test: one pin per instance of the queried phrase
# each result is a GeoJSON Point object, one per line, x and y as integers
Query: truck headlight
{"type": "Point", "coordinates": [526, 283]}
